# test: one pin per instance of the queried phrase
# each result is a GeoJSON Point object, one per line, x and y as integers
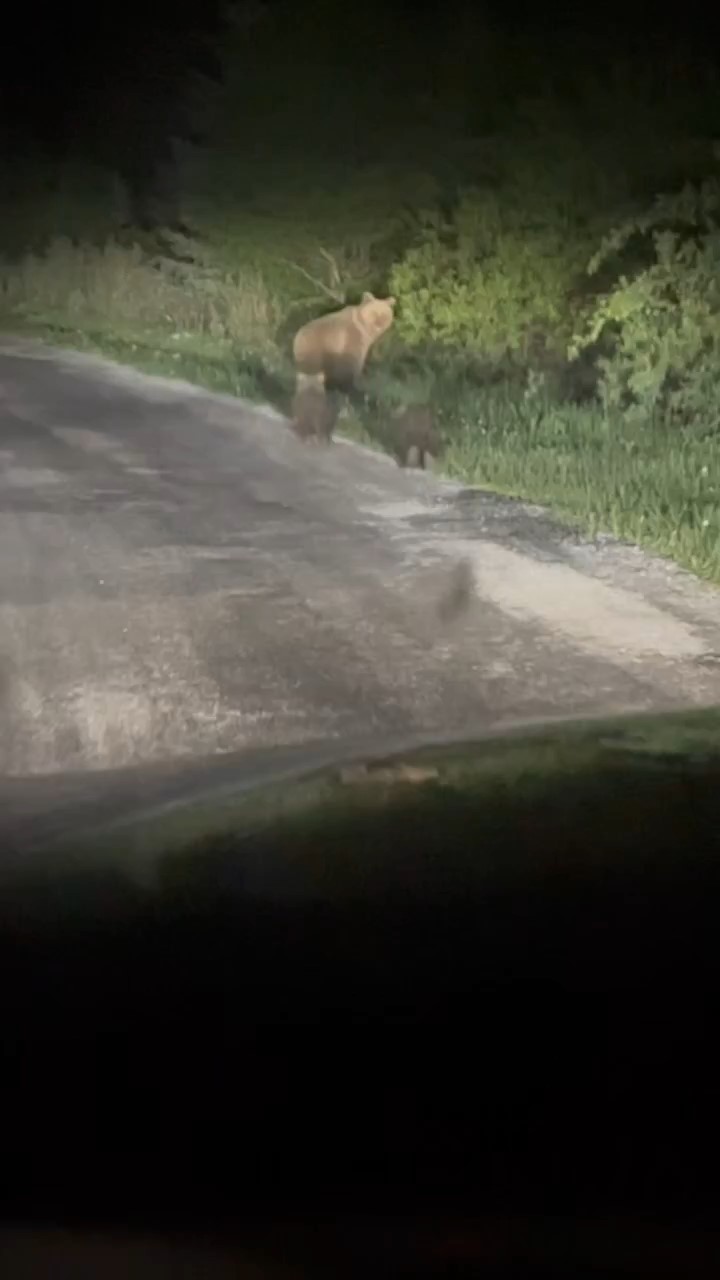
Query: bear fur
{"type": "Point", "coordinates": [314, 413]}
{"type": "Point", "coordinates": [332, 350]}
{"type": "Point", "coordinates": [413, 434]}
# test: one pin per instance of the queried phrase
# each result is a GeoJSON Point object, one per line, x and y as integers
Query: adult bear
{"type": "Point", "coordinates": [331, 351]}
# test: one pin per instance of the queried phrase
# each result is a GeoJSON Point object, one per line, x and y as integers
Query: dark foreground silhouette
{"type": "Point", "coordinates": [516, 1017]}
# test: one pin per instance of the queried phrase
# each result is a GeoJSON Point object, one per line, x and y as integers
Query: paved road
{"type": "Point", "coordinates": [180, 577]}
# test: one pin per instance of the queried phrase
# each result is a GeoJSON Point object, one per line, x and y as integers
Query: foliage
{"type": "Point", "coordinates": [40, 202]}
{"type": "Point", "coordinates": [663, 319]}
{"type": "Point", "coordinates": [595, 468]}
{"type": "Point", "coordinates": [491, 277]}
{"type": "Point", "coordinates": [121, 288]}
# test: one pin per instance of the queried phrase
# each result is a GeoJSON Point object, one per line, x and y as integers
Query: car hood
{"type": "Point", "coordinates": [139, 817]}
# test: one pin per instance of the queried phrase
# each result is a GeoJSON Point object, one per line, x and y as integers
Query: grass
{"type": "Point", "coordinates": [121, 289]}
{"type": "Point", "coordinates": [645, 484]}
{"type": "Point", "coordinates": [224, 321]}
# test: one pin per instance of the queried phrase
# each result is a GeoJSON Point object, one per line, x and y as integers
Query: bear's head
{"type": "Point", "coordinates": [376, 314]}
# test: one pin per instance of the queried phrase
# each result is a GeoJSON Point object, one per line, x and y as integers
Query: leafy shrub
{"type": "Point", "coordinates": [492, 277]}
{"type": "Point", "coordinates": [663, 319]}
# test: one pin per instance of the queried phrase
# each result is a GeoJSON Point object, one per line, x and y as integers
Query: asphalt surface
{"type": "Point", "coordinates": [180, 577]}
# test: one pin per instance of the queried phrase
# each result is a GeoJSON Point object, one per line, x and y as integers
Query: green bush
{"type": "Point", "coordinates": [493, 277]}
{"type": "Point", "coordinates": [663, 318]}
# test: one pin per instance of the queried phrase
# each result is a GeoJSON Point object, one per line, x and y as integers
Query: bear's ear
{"type": "Point", "coordinates": [392, 302]}
{"type": "Point", "coordinates": [368, 297]}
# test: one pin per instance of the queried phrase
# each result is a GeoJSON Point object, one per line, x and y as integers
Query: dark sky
{"type": "Point", "coordinates": [60, 70]}
{"type": "Point", "coordinates": [52, 80]}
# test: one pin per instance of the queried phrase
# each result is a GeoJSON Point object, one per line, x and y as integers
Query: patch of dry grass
{"type": "Point", "coordinates": [122, 290]}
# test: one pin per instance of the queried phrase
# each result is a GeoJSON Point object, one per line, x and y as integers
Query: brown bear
{"type": "Point", "coordinates": [332, 350]}
{"type": "Point", "coordinates": [412, 433]}
{"type": "Point", "coordinates": [314, 413]}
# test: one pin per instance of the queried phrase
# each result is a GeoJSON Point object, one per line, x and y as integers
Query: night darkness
{"type": "Point", "coordinates": [112, 88]}
{"type": "Point", "coordinates": [80, 64]}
